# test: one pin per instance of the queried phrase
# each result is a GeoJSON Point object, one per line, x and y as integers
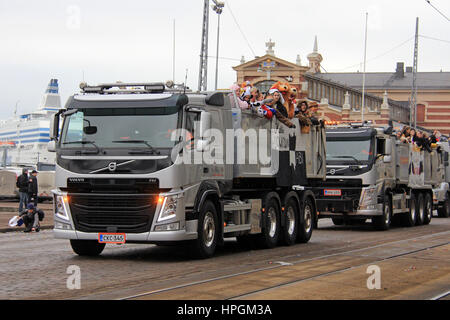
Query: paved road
{"type": "Point", "coordinates": [414, 264]}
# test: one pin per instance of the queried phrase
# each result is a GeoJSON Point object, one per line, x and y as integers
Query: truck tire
{"type": "Point", "coordinates": [289, 231]}
{"type": "Point", "coordinates": [268, 238]}
{"type": "Point", "coordinates": [383, 222]}
{"type": "Point", "coordinates": [428, 207]}
{"type": "Point", "coordinates": [409, 218]}
{"type": "Point", "coordinates": [420, 209]}
{"type": "Point", "coordinates": [89, 248]}
{"type": "Point", "coordinates": [444, 211]}
{"type": "Point", "coordinates": [205, 244]}
{"type": "Point", "coordinates": [337, 221]}
{"type": "Point", "coordinates": [306, 220]}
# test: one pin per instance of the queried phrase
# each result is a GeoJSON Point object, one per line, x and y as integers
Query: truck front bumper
{"type": "Point", "coordinates": [360, 213]}
{"type": "Point", "coordinates": [147, 237]}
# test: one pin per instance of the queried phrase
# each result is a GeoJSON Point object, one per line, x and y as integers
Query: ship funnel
{"type": "Point", "coordinates": [51, 101]}
{"type": "Point", "coordinates": [52, 86]}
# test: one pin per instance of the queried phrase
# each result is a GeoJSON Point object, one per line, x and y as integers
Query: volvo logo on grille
{"type": "Point", "coordinates": [112, 166]}
{"type": "Point", "coordinates": [332, 171]}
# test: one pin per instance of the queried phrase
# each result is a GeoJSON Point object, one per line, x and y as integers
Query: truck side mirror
{"type": "Point", "coordinates": [387, 159]}
{"type": "Point", "coordinates": [388, 147]}
{"type": "Point", "coordinates": [51, 146]}
{"type": "Point", "coordinates": [204, 133]}
{"type": "Point", "coordinates": [54, 127]}
{"type": "Point", "coordinates": [205, 125]}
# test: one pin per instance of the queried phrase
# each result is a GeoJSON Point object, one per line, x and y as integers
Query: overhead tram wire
{"type": "Point", "coordinates": [436, 39]}
{"type": "Point", "coordinates": [442, 14]}
{"type": "Point", "coordinates": [239, 27]}
{"type": "Point", "coordinates": [378, 56]}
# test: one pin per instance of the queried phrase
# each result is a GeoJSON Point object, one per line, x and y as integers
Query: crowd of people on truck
{"type": "Point", "coordinates": [418, 138]}
{"type": "Point", "coordinates": [279, 101]}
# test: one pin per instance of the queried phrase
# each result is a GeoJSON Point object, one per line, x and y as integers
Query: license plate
{"type": "Point", "coordinates": [111, 237]}
{"type": "Point", "coordinates": [332, 192]}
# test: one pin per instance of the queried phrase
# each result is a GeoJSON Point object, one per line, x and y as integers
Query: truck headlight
{"type": "Point", "coordinates": [369, 196]}
{"type": "Point", "coordinates": [60, 209]}
{"type": "Point", "coordinates": [168, 208]}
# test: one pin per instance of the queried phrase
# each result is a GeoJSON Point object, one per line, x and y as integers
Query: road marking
{"type": "Point", "coordinates": [442, 295]}
{"type": "Point", "coordinates": [296, 262]}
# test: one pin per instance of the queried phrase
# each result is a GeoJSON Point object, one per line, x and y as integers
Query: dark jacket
{"type": "Point", "coordinates": [33, 185]}
{"type": "Point", "coordinates": [282, 109]}
{"type": "Point", "coordinates": [29, 217]}
{"type": "Point", "coordinates": [22, 182]}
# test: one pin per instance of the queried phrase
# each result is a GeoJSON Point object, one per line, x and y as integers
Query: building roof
{"type": "Point", "coordinates": [391, 80]}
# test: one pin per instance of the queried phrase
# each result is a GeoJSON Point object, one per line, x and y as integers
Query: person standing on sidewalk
{"type": "Point", "coordinates": [22, 184]}
{"type": "Point", "coordinates": [33, 188]}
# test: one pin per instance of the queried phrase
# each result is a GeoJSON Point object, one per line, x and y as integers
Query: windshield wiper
{"type": "Point", "coordinates": [138, 141]}
{"type": "Point", "coordinates": [83, 142]}
{"type": "Point", "coordinates": [346, 157]}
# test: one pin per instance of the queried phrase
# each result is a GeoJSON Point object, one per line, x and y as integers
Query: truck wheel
{"type": "Point", "coordinates": [271, 225]}
{"type": "Point", "coordinates": [289, 231]}
{"type": "Point", "coordinates": [409, 218]}
{"type": "Point", "coordinates": [428, 207]}
{"type": "Point", "coordinates": [420, 209]}
{"type": "Point", "coordinates": [90, 248]}
{"type": "Point", "coordinates": [337, 221]}
{"type": "Point", "coordinates": [383, 222]}
{"type": "Point", "coordinates": [205, 245]}
{"type": "Point", "coordinates": [444, 211]}
{"type": "Point", "coordinates": [306, 221]}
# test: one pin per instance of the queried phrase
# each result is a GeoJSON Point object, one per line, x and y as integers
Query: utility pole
{"type": "Point", "coordinates": [364, 73]}
{"type": "Point", "coordinates": [218, 8]}
{"type": "Point", "coordinates": [413, 103]}
{"type": "Point", "coordinates": [203, 73]}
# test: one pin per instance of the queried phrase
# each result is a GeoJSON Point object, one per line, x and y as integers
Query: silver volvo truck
{"type": "Point", "coordinates": [441, 194]}
{"type": "Point", "coordinates": [142, 163]}
{"type": "Point", "coordinates": [371, 175]}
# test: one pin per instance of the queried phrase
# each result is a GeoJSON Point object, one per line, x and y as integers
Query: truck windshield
{"type": "Point", "coordinates": [349, 150]}
{"type": "Point", "coordinates": [120, 128]}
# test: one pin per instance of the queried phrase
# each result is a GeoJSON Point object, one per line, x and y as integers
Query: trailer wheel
{"type": "Point", "coordinates": [428, 207]}
{"type": "Point", "coordinates": [444, 211]}
{"type": "Point", "coordinates": [271, 225]}
{"type": "Point", "coordinates": [90, 248]}
{"type": "Point", "coordinates": [205, 245]}
{"type": "Point", "coordinates": [306, 221]}
{"type": "Point", "coordinates": [383, 222]}
{"type": "Point", "coordinates": [409, 218]}
{"type": "Point", "coordinates": [289, 231]}
{"type": "Point", "coordinates": [420, 209]}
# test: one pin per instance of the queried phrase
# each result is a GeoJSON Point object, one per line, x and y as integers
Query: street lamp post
{"type": "Point", "coordinates": [218, 8]}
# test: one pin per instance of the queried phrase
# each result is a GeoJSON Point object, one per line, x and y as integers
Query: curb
{"type": "Point", "coordinates": [7, 230]}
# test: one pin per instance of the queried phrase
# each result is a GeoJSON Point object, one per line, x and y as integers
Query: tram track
{"type": "Point", "coordinates": [186, 286]}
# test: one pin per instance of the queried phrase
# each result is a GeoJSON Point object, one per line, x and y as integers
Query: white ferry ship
{"type": "Point", "coordinates": [24, 138]}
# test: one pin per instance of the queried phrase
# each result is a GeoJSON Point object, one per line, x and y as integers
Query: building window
{"type": "Point", "coordinates": [264, 86]}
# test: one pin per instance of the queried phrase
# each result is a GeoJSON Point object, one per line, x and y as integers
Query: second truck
{"type": "Point", "coordinates": [372, 175]}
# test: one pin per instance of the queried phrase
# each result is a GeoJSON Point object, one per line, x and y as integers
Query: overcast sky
{"type": "Point", "coordinates": [111, 40]}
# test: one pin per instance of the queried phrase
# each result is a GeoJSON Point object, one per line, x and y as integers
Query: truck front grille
{"type": "Point", "coordinates": [113, 213]}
